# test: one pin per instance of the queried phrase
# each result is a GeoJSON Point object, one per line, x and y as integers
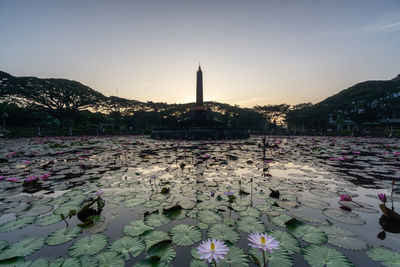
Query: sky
{"type": "Point", "coordinates": [252, 52]}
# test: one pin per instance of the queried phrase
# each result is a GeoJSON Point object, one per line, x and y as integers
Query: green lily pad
{"type": "Point", "coordinates": [281, 220]}
{"type": "Point", "coordinates": [185, 235]}
{"type": "Point", "coordinates": [88, 245]}
{"type": "Point", "coordinates": [153, 237]}
{"type": "Point", "coordinates": [156, 219]}
{"type": "Point", "coordinates": [223, 232]}
{"type": "Point", "coordinates": [134, 202]}
{"type": "Point", "coordinates": [342, 238]}
{"type": "Point", "coordinates": [235, 257]}
{"type": "Point", "coordinates": [198, 263]}
{"type": "Point", "coordinates": [152, 262]}
{"type": "Point", "coordinates": [62, 235]}
{"type": "Point", "coordinates": [195, 254]}
{"type": "Point", "coordinates": [36, 210]}
{"type": "Point", "coordinates": [164, 251]}
{"type": "Point", "coordinates": [65, 208]}
{"type": "Point", "coordinates": [343, 216]}
{"type": "Point", "coordinates": [3, 244]}
{"type": "Point", "coordinates": [313, 203]}
{"type": "Point", "coordinates": [286, 241]}
{"type": "Point", "coordinates": [358, 206]}
{"type": "Point", "coordinates": [253, 212]}
{"type": "Point", "coordinates": [385, 256]}
{"type": "Point", "coordinates": [318, 256]}
{"type": "Point", "coordinates": [251, 225]}
{"type": "Point", "coordinates": [47, 220]}
{"type": "Point", "coordinates": [88, 260]}
{"type": "Point", "coordinates": [209, 216]}
{"type": "Point", "coordinates": [17, 224]}
{"type": "Point", "coordinates": [41, 263]}
{"type": "Point", "coordinates": [110, 259]}
{"type": "Point", "coordinates": [22, 248]}
{"type": "Point", "coordinates": [307, 232]}
{"type": "Point", "coordinates": [136, 228]}
{"type": "Point", "coordinates": [280, 257]}
{"type": "Point", "coordinates": [61, 262]}
{"type": "Point", "coordinates": [323, 193]}
{"type": "Point", "coordinates": [125, 245]}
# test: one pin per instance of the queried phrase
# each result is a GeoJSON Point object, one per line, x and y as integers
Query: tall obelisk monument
{"type": "Point", "coordinates": [199, 88]}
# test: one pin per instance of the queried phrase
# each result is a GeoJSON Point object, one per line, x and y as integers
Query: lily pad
{"type": "Point", "coordinates": [342, 238]}
{"type": "Point", "coordinates": [313, 203]}
{"type": "Point", "coordinates": [307, 232]}
{"type": "Point", "coordinates": [317, 255]}
{"type": "Point", "coordinates": [286, 241]}
{"type": "Point", "coordinates": [136, 228]}
{"type": "Point", "coordinates": [279, 258]}
{"type": "Point", "coordinates": [385, 256]}
{"type": "Point", "coordinates": [164, 251]}
{"type": "Point", "coordinates": [110, 259]}
{"type": "Point", "coordinates": [223, 232]}
{"type": "Point", "coordinates": [343, 216]}
{"type": "Point", "coordinates": [253, 212]}
{"type": "Point", "coordinates": [198, 263]}
{"type": "Point", "coordinates": [17, 224]}
{"type": "Point", "coordinates": [250, 225]}
{"type": "Point", "coordinates": [281, 220]}
{"type": "Point", "coordinates": [62, 235]}
{"type": "Point", "coordinates": [125, 245]}
{"type": "Point", "coordinates": [88, 245]}
{"type": "Point", "coordinates": [235, 257]}
{"type": "Point", "coordinates": [3, 244]}
{"type": "Point", "coordinates": [208, 216]}
{"type": "Point", "coordinates": [47, 220]}
{"type": "Point", "coordinates": [185, 235]}
{"type": "Point", "coordinates": [153, 237]}
{"type": "Point", "coordinates": [156, 219]}
{"type": "Point", "coordinates": [22, 248]}
{"type": "Point", "coordinates": [36, 210]}
{"type": "Point", "coordinates": [359, 206]}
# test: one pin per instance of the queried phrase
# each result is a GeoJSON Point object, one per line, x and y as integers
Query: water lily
{"type": "Point", "coordinates": [344, 197]}
{"type": "Point", "coordinates": [212, 250]}
{"type": "Point", "coordinates": [98, 193]}
{"type": "Point", "coordinates": [26, 162]}
{"type": "Point", "coordinates": [229, 192]}
{"type": "Point", "coordinates": [263, 243]}
{"type": "Point", "coordinates": [13, 180]}
{"type": "Point", "coordinates": [45, 176]}
{"type": "Point", "coordinates": [2, 178]}
{"type": "Point", "coordinates": [31, 178]}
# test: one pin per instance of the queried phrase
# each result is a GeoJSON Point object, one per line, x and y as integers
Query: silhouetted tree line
{"type": "Point", "coordinates": [30, 102]}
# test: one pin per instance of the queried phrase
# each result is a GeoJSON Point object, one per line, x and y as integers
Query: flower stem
{"type": "Point", "coordinates": [215, 263]}
{"type": "Point", "coordinates": [264, 259]}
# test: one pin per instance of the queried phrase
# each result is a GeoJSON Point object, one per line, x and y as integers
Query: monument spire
{"type": "Point", "coordinates": [199, 87]}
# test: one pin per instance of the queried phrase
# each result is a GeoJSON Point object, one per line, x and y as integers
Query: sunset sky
{"type": "Point", "coordinates": [251, 52]}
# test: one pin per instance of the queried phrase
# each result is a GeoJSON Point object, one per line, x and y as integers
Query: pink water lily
{"type": "Point", "coordinates": [382, 197]}
{"type": "Point", "coordinates": [31, 178]}
{"type": "Point", "coordinates": [344, 197]}
{"type": "Point", "coordinates": [45, 176]}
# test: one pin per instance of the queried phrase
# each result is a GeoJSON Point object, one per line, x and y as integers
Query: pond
{"type": "Point", "coordinates": [135, 201]}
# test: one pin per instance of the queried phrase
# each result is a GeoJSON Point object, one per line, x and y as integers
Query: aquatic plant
{"type": "Point", "coordinates": [263, 242]}
{"type": "Point", "coordinates": [212, 250]}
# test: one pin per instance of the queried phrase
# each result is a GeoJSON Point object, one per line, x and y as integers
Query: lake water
{"type": "Point", "coordinates": [163, 197]}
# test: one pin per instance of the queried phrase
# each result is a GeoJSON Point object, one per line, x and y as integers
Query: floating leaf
{"type": "Point", "coordinates": [358, 206]}
{"type": "Point", "coordinates": [281, 220]}
{"type": "Point", "coordinates": [280, 257]}
{"type": "Point", "coordinates": [253, 212]}
{"type": "Point", "coordinates": [208, 216]}
{"type": "Point", "coordinates": [65, 209]}
{"type": "Point", "coordinates": [88, 260]}
{"type": "Point", "coordinates": [323, 256]}
{"type": "Point", "coordinates": [343, 216]}
{"type": "Point", "coordinates": [223, 232]}
{"type": "Point", "coordinates": [62, 235]}
{"type": "Point", "coordinates": [307, 232]}
{"type": "Point", "coordinates": [133, 202]}
{"type": "Point", "coordinates": [136, 228]}
{"type": "Point", "coordinates": [323, 193]}
{"type": "Point", "coordinates": [313, 203]}
{"type": "Point", "coordinates": [385, 256]}
{"type": "Point", "coordinates": [36, 210]}
{"type": "Point", "coordinates": [156, 219]}
{"type": "Point", "coordinates": [88, 245]}
{"type": "Point", "coordinates": [153, 237]}
{"type": "Point", "coordinates": [40, 263]}
{"type": "Point", "coordinates": [198, 263]}
{"type": "Point", "coordinates": [110, 259]}
{"type": "Point", "coordinates": [17, 224]}
{"type": "Point", "coordinates": [22, 248]}
{"type": "Point", "coordinates": [125, 245]}
{"type": "Point", "coordinates": [342, 238]}
{"type": "Point", "coordinates": [250, 225]}
{"type": "Point", "coordinates": [164, 251]}
{"type": "Point", "coordinates": [3, 244]}
{"type": "Point", "coordinates": [185, 235]}
{"type": "Point", "coordinates": [152, 262]}
{"type": "Point", "coordinates": [47, 220]}
{"type": "Point", "coordinates": [235, 258]}
{"type": "Point", "coordinates": [195, 254]}
{"type": "Point", "coordinates": [287, 241]}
